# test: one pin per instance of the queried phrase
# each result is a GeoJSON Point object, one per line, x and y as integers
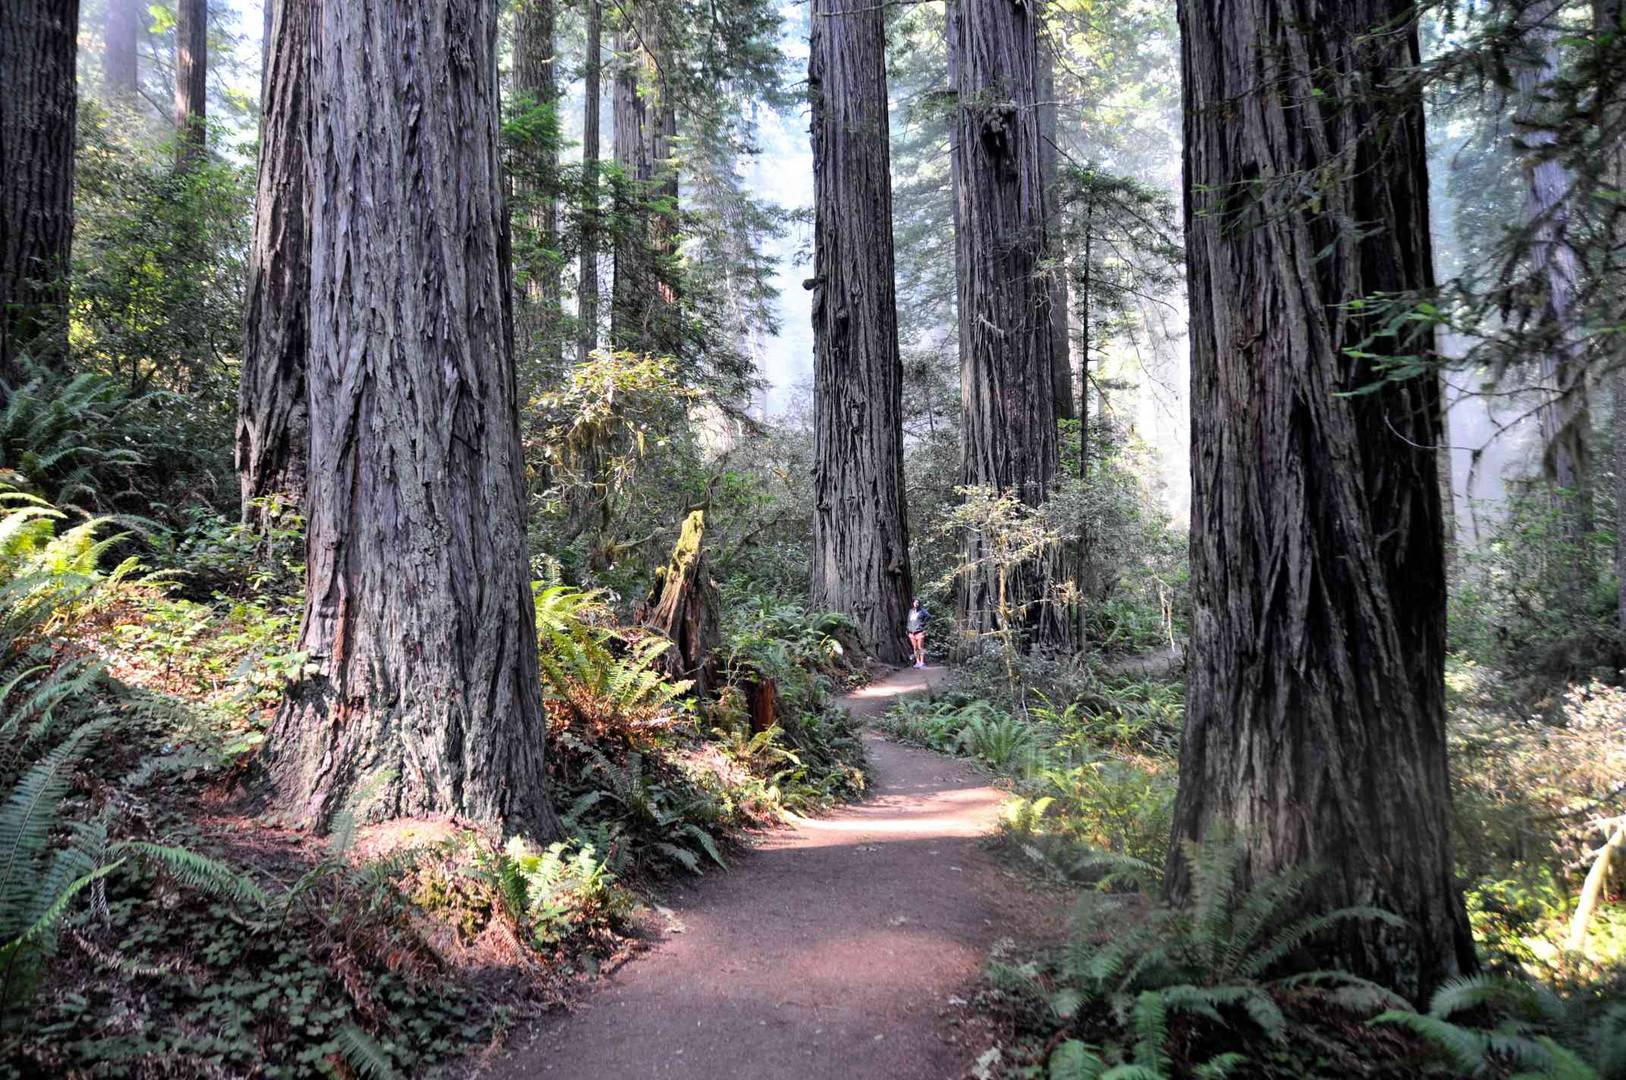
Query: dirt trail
{"type": "Point", "coordinates": [830, 950]}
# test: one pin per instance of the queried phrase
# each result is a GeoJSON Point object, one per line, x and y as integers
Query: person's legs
{"type": "Point", "coordinates": [917, 641]}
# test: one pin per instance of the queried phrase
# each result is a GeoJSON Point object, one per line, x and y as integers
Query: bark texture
{"type": "Point", "coordinates": [191, 77]}
{"type": "Point", "coordinates": [1562, 365]}
{"type": "Point", "coordinates": [587, 282]}
{"type": "Point", "coordinates": [425, 699]}
{"type": "Point", "coordinates": [1007, 342]}
{"type": "Point", "coordinates": [121, 29]}
{"type": "Point", "coordinates": [860, 535]}
{"type": "Point", "coordinates": [1061, 374]}
{"type": "Point", "coordinates": [273, 425]}
{"type": "Point", "coordinates": [1315, 730]}
{"type": "Point", "coordinates": [641, 313]}
{"type": "Point", "coordinates": [536, 83]}
{"type": "Point", "coordinates": [684, 608]}
{"type": "Point", "coordinates": [38, 47]}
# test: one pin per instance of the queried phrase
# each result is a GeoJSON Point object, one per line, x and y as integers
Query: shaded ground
{"type": "Point", "coordinates": [840, 947]}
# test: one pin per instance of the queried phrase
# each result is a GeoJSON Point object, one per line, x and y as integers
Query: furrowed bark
{"type": "Point", "coordinates": [1564, 417]}
{"type": "Point", "coordinates": [536, 83]}
{"type": "Point", "coordinates": [1007, 345]}
{"type": "Point", "coordinates": [38, 48]}
{"type": "Point", "coordinates": [273, 425]}
{"type": "Point", "coordinates": [1061, 374]}
{"type": "Point", "coordinates": [1315, 730]}
{"type": "Point", "coordinates": [645, 129]}
{"type": "Point", "coordinates": [191, 78]}
{"type": "Point", "coordinates": [860, 536]}
{"type": "Point", "coordinates": [425, 699]}
{"type": "Point", "coordinates": [587, 284]}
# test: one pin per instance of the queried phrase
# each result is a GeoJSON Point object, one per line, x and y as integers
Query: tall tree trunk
{"type": "Point", "coordinates": [1007, 346]}
{"type": "Point", "coordinates": [645, 127]}
{"type": "Point", "coordinates": [1564, 419]}
{"type": "Point", "coordinates": [1049, 169]}
{"type": "Point", "coordinates": [273, 427]}
{"type": "Point", "coordinates": [1315, 730]}
{"type": "Point", "coordinates": [1082, 299]}
{"type": "Point", "coordinates": [587, 286]}
{"type": "Point", "coordinates": [191, 78]}
{"type": "Point", "coordinates": [536, 181]}
{"type": "Point", "coordinates": [860, 535]}
{"type": "Point", "coordinates": [425, 698]}
{"type": "Point", "coordinates": [38, 49]}
{"type": "Point", "coordinates": [121, 30]}
{"type": "Point", "coordinates": [1607, 26]}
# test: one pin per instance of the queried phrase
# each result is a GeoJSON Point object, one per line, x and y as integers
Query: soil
{"type": "Point", "coordinates": [843, 947]}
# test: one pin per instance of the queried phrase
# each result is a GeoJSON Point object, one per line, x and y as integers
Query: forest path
{"type": "Point", "coordinates": [832, 949]}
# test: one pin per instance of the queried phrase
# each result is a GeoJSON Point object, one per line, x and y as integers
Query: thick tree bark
{"type": "Point", "coordinates": [645, 129]}
{"type": "Point", "coordinates": [1049, 169]}
{"type": "Point", "coordinates": [587, 283]}
{"type": "Point", "coordinates": [273, 426]}
{"type": "Point", "coordinates": [38, 49]}
{"type": "Point", "coordinates": [1564, 419]}
{"type": "Point", "coordinates": [425, 698]}
{"type": "Point", "coordinates": [121, 30]}
{"type": "Point", "coordinates": [536, 180]}
{"type": "Point", "coordinates": [1007, 344]}
{"type": "Point", "coordinates": [191, 78]}
{"type": "Point", "coordinates": [1315, 730]}
{"type": "Point", "coordinates": [860, 535]}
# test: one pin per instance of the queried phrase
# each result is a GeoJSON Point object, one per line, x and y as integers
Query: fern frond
{"type": "Point", "coordinates": [198, 872]}
{"type": "Point", "coordinates": [363, 1054]}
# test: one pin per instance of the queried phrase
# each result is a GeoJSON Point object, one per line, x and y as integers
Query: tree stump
{"type": "Point", "coordinates": [683, 606]}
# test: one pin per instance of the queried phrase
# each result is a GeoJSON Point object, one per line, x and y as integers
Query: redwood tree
{"type": "Point", "coordinates": [1007, 343]}
{"type": "Point", "coordinates": [536, 86]}
{"type": "Point", "coordinates": [272, 423]}
{"type": "Point", "coordinates": [121, 30]}
{"type": "Point", "coordinates": [423, 696]}
{"type": "Point", "coordinates": [1315, 731]}
{"type": "Point", "coordinates": [860, 540]}
{"type": "Point", "coordinates": [587, 274]}
{"type": "Point", "coordinates": [191, 77]}
{"type": "Point", "coordinates": [645, 130]}
{"type": "Point", "coordinates": [38, 48]}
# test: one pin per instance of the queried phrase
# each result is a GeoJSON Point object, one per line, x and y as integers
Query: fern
{"type": "Point", "coordinates": [1533, 1031]}
{"type": "Point", "coordinates": [363, 1054]}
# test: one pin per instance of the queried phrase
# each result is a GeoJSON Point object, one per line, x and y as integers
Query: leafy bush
{"type": "Point", "coordinates": [1067, 815]}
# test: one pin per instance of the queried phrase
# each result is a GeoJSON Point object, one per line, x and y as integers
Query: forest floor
{"type": "Point", "coordinates": [842, 946]}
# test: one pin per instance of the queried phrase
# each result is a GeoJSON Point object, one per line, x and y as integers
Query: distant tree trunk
{"type": "Point", "coordinates": [1007, 344]}
{"type": "Point", "coordinates": [1315, 729]}
{"type": "Point", "coordinates": [645, 127]}
{"type": "Point", "coordinates": [1081, 305]}
{"type": "Point", "coordinates": [536, 180]}
{"type": "Point", "coordinates": [860, 535]}
{"type": "Point", "coordinates": [191, 78]}
{"type": "Point", "coordinates": [121, 30]}
{"type": "Point", "coordinates": [38, 49]}
{"type": "Point", "coordinates": [273, 424]}
{"type": "Point", "coordinates": [587, 286]}
{"type": "Point", "coordinates": [425, 699]}
{"type": "Point", "coordinates": [1607, 23]}
{"type": "Point", "coordinates": [1564, 419]}
{"type": "Point", "coordinates": [1049, 169]}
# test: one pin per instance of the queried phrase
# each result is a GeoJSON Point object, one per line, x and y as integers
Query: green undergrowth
{"type": "Point", "coordinates": [1143, 991]}
{"type": "Point", "coordinates": [149, 927]}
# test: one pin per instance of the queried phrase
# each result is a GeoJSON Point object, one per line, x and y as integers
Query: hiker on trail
{"type": "Point", "coordinates": [918, 615]}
